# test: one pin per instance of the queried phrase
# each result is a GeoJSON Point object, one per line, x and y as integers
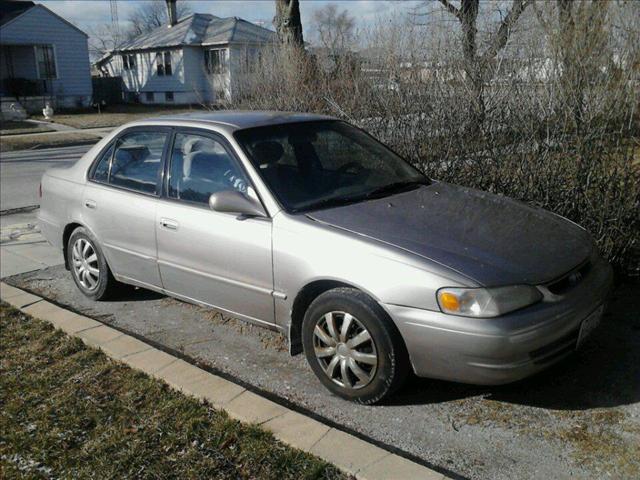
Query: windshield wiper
{"type": "Point", "coordinates": [379, 192]}
{"type": "Point", "coordinates": [329, 202]}
{"type": "Point", "coordinates": [395, 187]}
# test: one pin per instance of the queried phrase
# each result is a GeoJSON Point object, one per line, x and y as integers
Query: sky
{"type": "Point", "coordinates": [89, 14]}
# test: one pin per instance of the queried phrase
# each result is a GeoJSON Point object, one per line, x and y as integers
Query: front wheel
{"type": "Point", "coordinates": [88, 266]}
{"type": "Point", "coordinates": [353, 347]}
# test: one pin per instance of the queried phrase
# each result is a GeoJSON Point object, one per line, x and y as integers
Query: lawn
{"type": "Point", "coordinates": [18, 127]}
{"type": "Point", "coordinates": [68, 411]}
{"type": "Point", "coordinates": [115, 115]}
{"type": "Point", "coordinates": [25, 142]}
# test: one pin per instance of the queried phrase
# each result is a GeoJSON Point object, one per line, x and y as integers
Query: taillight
{"type": "Point", "coordinates": [40, 190]}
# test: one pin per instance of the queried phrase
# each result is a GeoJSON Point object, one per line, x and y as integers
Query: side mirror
{"type": "Point", "coordinates": [232, 201]}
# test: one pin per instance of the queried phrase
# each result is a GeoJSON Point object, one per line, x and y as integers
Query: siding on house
{"type": "Point", "coordinates": [145, 78]}
{"type": "Point", "coordinates": [40, 26]}
{"type": "Point", "coordinates": [196, 75]}
{"type": "Point", "coordinates": [190, 82]}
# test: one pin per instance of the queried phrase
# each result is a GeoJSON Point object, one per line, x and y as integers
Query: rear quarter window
{"type": "Point", "coordinates": [137, 161]}
{"type": "Point", "coordinates": [101, 170]}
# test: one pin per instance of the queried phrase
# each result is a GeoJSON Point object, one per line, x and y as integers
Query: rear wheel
{"type": "Point", "coordinates": [353, 347]}
{"type": "Point", "coordinates": [88, 266]}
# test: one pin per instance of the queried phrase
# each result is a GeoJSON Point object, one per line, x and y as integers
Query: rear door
{"type": "Point", "coordinates": [215, 258]}
{"type": "Point", "coordinates": [120, 202]}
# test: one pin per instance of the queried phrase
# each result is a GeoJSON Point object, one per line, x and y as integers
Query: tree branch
{"type": "Point", "coordinates": [453, 10]}
{"type": "Point", "coordinates": [501, 36]}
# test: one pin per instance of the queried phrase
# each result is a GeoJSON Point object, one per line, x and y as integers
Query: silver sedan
{"type": "Point", "coordinates": [309, 226]}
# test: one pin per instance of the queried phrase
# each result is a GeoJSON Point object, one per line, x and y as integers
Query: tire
{"type": "Point", "coordinates": [84, 254]}
{"type": "Point", "coordinates": [351, 366]}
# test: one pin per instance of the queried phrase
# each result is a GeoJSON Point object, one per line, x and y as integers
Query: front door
{"type": "Point", "coordinates": [120, 201]}
{"type": "Point", "coordinates": [210, 257]}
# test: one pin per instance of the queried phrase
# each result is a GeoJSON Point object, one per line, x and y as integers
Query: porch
{"type": "Point", "coordinates": [27, 70]}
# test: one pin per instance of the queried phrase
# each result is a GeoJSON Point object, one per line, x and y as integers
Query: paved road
{"type": "Point", "coordinates": [20, 173]}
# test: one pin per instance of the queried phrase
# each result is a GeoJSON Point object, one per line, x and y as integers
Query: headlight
{"type": "Point", "coordinates": [486, 302]}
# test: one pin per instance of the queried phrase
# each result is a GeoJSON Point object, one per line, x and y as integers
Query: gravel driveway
{"type": "Point", "coordinates": [580, 419]}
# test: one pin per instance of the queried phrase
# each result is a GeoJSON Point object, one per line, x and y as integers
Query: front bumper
{"type": "Point", "coordinates": [500, 350]}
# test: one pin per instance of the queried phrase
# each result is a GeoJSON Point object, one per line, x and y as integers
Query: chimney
{"type": "Point", "coordinates": [171, 10]}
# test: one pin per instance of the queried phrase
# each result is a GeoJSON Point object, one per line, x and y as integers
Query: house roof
{"type": "Point", "coordinates": [201, 29]}
{"type": "Point", "coordinates": [11, 10]}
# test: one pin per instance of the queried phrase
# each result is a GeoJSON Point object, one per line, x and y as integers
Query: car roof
{"type": "Point", "coordinates": [240, 119]}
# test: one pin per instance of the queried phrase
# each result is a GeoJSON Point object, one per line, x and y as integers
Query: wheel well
{"type": "Point", "coordinates": [68, 230]}
{"type": "Point", "coordinates": [305, 296]}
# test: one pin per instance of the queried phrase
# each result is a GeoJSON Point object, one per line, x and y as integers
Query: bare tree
{"type": "Point", "coordinates": [477, 63]}
{"type": "Point", "coordinates": [335, 29]}
{"type": "Point", "coordinates": [580, 44]}
{"type": "Point", "coordinates": [288, 24]}
{"type": "Point", "coordinates": [151, 15]}
{"type": "Point", "coordinates": [102, 40]}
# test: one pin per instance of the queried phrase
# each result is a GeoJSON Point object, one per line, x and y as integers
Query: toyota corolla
{"type": "Point", "coordinates": [308, 225]}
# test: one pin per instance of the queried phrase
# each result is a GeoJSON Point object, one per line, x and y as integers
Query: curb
{"type": "Point", "coordinates": [355, 456]}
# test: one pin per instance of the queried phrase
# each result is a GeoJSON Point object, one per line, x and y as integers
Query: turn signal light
{"type": "Point", "coordinates": [449, 301]}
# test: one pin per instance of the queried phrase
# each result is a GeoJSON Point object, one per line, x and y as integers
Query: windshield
{"type": "Point", "coordinates": [314, 165]}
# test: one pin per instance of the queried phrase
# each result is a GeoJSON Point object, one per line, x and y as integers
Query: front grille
{"type": "Point", "coordinates": [570, 280]}
{"type": "Point", "coordinates": [555, 349]}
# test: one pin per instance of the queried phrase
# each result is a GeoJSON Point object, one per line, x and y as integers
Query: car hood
{"type": "Point", "coordinates": [491, 239]}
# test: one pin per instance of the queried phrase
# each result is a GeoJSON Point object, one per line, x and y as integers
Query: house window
{"type": "Point", "coordinates": [163, 62]}
{"type": "Point", "coordinates": [149, 96]}
{"type": "Point", "coordinates": [129, 62]}
{"type": "Point", "coordinates": [46, 61]}
{"type": "Point", "coordinates": [168, 96]}
{"type": "Point", "coordinates": [215, 61]}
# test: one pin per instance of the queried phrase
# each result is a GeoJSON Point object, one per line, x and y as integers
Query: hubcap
{"type": "Point", "coordinates": [85, 263]}
{"type": "Point", "coordinates": [345, 350]}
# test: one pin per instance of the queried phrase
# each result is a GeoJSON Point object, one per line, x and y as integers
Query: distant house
{"type": "Point", "coordinates": [198, 59]}
{"type": "Point", "coordinates": [43, 58]}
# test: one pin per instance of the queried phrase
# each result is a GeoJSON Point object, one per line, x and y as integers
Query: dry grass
{"type": "Point", "coordinates": [604, 440]}
{"type": "Point", "coordinates": [68, 411]}
{"type": "Point", "coordinates": [27, 142]}
{"type": "Point", "coordinates": [18, 127]}
{"type": "Point", "coordinates": [115, 115]}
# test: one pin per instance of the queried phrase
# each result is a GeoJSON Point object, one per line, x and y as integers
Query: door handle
{"type": "Point", "coordinates": [90, 204]}
{"type": "Point", "coordinates": [168, 224]}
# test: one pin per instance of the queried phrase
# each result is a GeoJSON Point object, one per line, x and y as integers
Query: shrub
{"type": "Point", "coordinates": [564, 138]}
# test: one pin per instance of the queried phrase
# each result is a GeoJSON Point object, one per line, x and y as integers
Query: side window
{"type": "Point", "coordinates": [201, 166]}
{"type": "Point", "coordinates": [137, 160]}
{"type": "Point", "coordinates": [101, 170]}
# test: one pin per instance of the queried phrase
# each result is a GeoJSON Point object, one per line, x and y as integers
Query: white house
{"type": "Point", "coordinates": [43, 58]}
{"type": "Point", "coordinates": [197, 59]}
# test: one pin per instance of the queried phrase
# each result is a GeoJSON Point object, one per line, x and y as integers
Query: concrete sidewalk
{"type": "Point", "coordinates": [22, 247]}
